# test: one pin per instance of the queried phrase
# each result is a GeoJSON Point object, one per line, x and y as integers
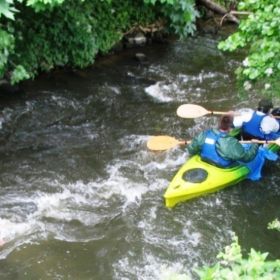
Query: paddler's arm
{"type": "Point", "coordinates": [230, 148]}
{"type": "Point", "coordinates": [195, 146]}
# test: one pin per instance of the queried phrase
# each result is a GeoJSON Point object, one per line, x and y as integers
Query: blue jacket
{"type": "Point", "coordinates": [227, 147]}
{"type": "Point", "coordinates": [209, 151]}
{"type": "Point", "coordinates": [253, 128]}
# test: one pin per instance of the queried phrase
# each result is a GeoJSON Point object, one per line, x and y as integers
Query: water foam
{"type": "Point", "coordinates": [160, 92]}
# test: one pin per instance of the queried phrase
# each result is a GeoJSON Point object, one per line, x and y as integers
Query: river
{"type": "Point", "coordinates": [82, 197]}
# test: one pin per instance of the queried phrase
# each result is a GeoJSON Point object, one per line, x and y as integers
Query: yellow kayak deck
{"type": "Point", "coordinates": [196, 178]}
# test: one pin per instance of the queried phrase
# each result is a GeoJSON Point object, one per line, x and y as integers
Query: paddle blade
{"type": "Point", "coordinates": [190, 111]}
{"type": "Point", "coordinates": [161, 143]}
{"type": "Point", "coordinates": [277, 141]}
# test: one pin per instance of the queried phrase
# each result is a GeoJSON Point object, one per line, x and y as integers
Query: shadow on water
{"type": "Point", "coordinates": [82, 197]}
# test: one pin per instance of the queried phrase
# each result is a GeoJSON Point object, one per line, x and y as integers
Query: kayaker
{"type": "Point", "coordinates": [276, 112]}
{"type": "Point", "coordinates": [258, 124]}
{"type": "Point", "coordinates": [218, 147]}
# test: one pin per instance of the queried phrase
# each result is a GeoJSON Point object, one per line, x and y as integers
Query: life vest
{"type": "Point", "coordinates": [276, 112]}
{"type": "Point", "coordinates": [253, 128]}
{"type": "Point", "coordinates": [209, 152]}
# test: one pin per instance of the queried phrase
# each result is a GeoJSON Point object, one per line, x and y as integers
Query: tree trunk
{"type": "Point", "coordinates": [218, 9]}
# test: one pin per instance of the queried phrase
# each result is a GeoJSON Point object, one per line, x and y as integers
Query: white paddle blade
{"type": "Point", "coordinates": [190, 111]}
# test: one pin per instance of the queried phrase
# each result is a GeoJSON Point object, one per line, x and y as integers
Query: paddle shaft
{"type": "Point", "coordinates": [190, 111]}
{"type": "Point", "coordinates": [184, 142]}
{"type": "Point", "coordinates": [240, 141]}
{"type": "Point", "coordinates": [217, 113]}
{"type": "Point", "coordinates": [164, 142]}
{"type": "Point", "coordinates": [236, 114]}
{"type": "Point", "coordinates": [260, 142]}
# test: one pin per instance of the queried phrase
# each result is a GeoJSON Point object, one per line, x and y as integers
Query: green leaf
{"type": "Point", "coordinates": [6, 9]}
{"type": "Point", "coordinates": [19, 74]}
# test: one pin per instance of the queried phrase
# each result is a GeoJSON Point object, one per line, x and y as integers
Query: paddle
{"type": "Point", "coordinates": [190, 111]}
{"type": "Point", "coordinates": [277, 141]}
{"type": "Point", "coordinates": [164, 142]}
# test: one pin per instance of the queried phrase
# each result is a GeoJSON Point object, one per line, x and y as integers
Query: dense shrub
{"type": "Point", "coordinates": [231, 264]}
{"type": "Point", "coordinates": [259, 34]}
{"type": "Point", "coordinates": [38, 35]}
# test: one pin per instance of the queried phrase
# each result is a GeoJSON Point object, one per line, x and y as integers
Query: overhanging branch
{"type": "Point", "coordinates": [219, 10]}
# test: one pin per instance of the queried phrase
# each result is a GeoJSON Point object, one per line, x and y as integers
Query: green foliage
{"type": "Point", "coordinates": [112, 20]}
{"type": "Point", "coordinates": [39, 35]}
{"type": "Point", "coordinates": [181, 14]}
{"type": "Point", "coordinates": [56, 38]}
{"type": "Point", "coordinates": [228, 4]}
{"type": "Point", "coordinates": [7, 9]}
{"type": "Point", "coordinates": [274, 225]}
{"type": "Point", "coordinates": [42, 5]}
{"type": "Point", "coordinates": [6, 46]}
{"type": "Point", "coordinates": [19, 74]}
{"type": "Point", "coordinates": [232, 265]}
{"type": "Point", "coordinates": [57, 33]}
{"type": "Point", "coordinates": [259, 33]}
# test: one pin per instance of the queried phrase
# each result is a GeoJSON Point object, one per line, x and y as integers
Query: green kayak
{"type": "Point", "coordinates": [196, 177]}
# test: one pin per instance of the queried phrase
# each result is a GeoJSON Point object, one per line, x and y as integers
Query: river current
{"type": "Point", "coordinates": [81, 196]}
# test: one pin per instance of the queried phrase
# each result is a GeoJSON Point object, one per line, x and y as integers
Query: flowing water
{"type": "Point", "coordinates": [81, 197]}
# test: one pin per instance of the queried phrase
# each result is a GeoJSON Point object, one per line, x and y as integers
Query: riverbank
{"type": "Point", "coordinates": [142, 35]}
{"type": "Point", "coordinates": [81, 194]}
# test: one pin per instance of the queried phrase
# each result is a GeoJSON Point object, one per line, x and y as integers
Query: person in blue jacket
{"type": "Point", "coordinates": [276, 113]}
{"type": "Point", "coordinates": [217, 147]}
{"type": "Point", "coordinates": [258, 124]}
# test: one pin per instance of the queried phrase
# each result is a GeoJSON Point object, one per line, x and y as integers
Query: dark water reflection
{"type": "Point", "coordinates": [81, 196]}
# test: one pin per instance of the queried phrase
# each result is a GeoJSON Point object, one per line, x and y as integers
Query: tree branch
{"type": "Point", "coordinates": [218, 9]}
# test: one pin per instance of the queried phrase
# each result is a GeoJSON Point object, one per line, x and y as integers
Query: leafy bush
{"type": "Point", "coordinates": [274, 225]}
{"type": "Point", "coordinates": [181, 14]}
{"type": "Point", "coordinates": [42, 5]}
{"type": "Point", "coordinates": [38, 35]}
{"type": "Point", "coordinates": [232, 265]}
{"type": "Point", "coordinates": [50, 33]}
{"type": "Point", "coordinates": [259, 33]}
{"type": "Point", "coordinates": [6, 46]}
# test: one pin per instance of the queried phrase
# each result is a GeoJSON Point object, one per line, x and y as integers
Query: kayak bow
{"type": "Point", "coordinates": [196, 177]}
